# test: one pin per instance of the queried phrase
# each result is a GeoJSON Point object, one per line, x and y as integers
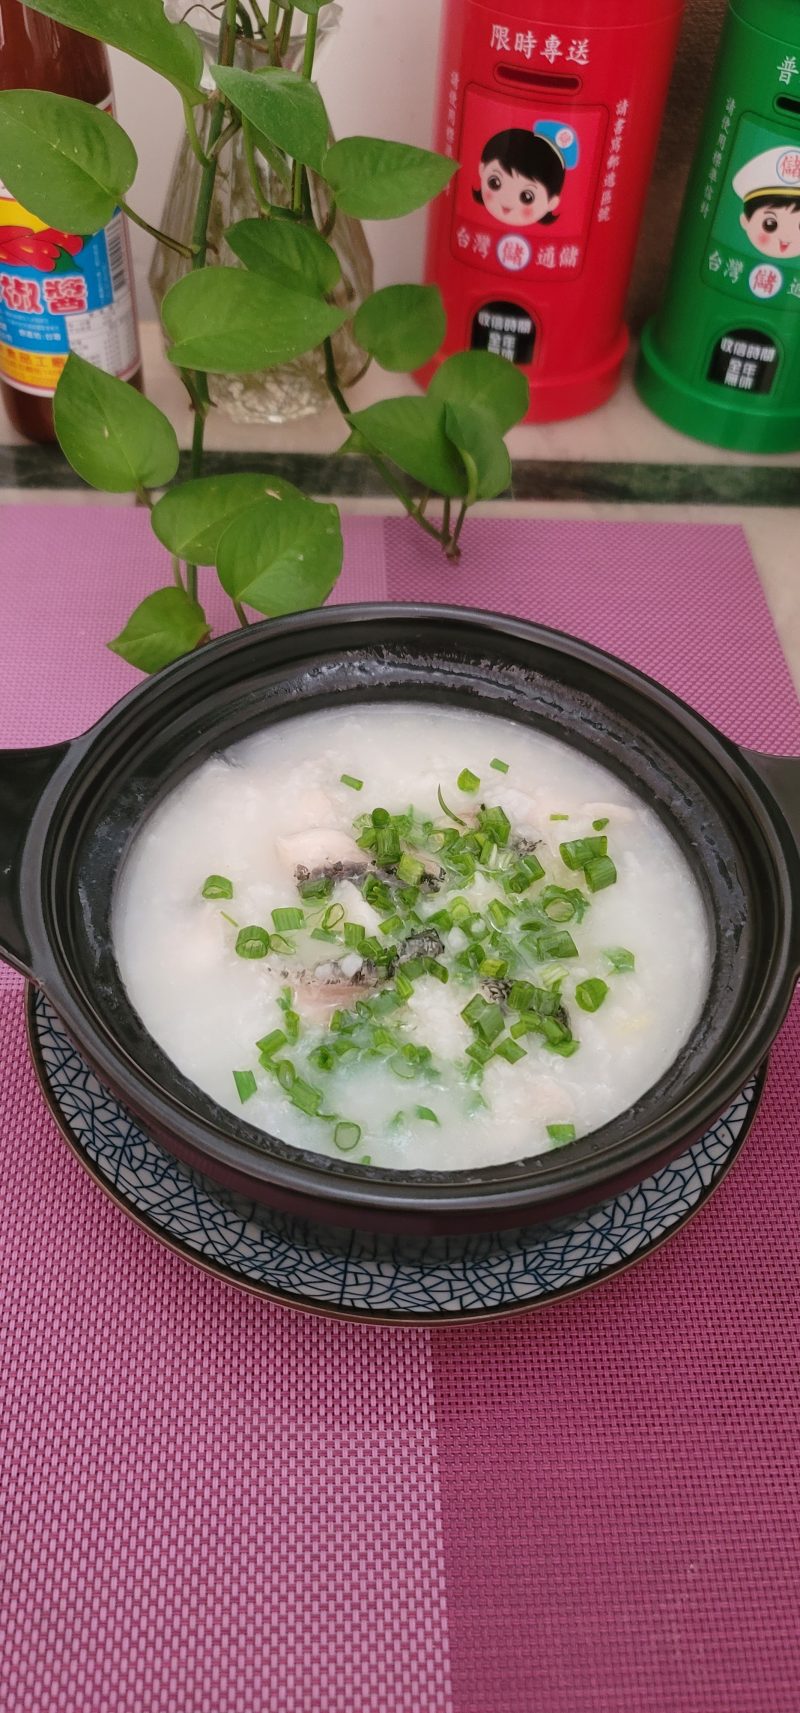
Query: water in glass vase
{"type": "Point", "coordinates": [296, 388]}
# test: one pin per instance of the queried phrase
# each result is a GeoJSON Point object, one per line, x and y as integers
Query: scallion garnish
{"type": "Point", "coordinates": [291, 1023]}
{"type": "Point", "coordinates": [217, 886]}
{"type": "Point", "coordinates": [285, 1072]}
{"type": "Point", "coordinates": [599, 825]}
{"type": "Point", "coordinates": [347, 1136]}
{"type": "Point", "coordinates": [427, 1114]}
{"type": "Point", "coordinates": [509, 1050]}
{"type": "Point", "coordinates": [620, 959]}
{"type": "Point", "coordinates": [446, 811]}
{"type": "Point", "coordinates": [354, 934]}
{"type": "Point", "coordinates": [495, 824]}
{"type": "Point", "coordinates": [552, 943]}
{"type": "Point", "coordinates": [366, 1160]}
{"type": "Point", "coordinates": [323, 1058]}
{"type": "Point", "coordinates": [288, 920]}
{"type": "Point", "coordinates": [391, 925]}
{"type": "Point", "coordinates": [499, 913]}
{"type": "Point", "coordinates": [252, 942]}
{"type": "Point", "coordinates": [318, 887]}
{"type": "Point", "coordinates": [500, 766]}
{"type": "Point", "coordinates": [590, 994]}
{"type": "Point", "coordinates": [600, 872]}
{"type": "Point", "coordinates": [468, 781]}
{"type": "Point", "coordinates": [402, 986]}
{"type": "Point", "coordinates": [559, 817]}
{"type": "Point", "coordinates": [270, 1044]}
{"type": "Point", "coordinates": [560, 1133]}
{"type": "Point", "coordinates": [354, 784]}
{"type": "Point", "coordinates": [578, 852]}
{"type": "Point", "coordinates": [410, 869]}
{"type": "Point", "coordinates": [305, 1096]}
{"type": "Point", "coordinates": [246, 1084]}
{"type": "Point", "coordinates": [439, 971]}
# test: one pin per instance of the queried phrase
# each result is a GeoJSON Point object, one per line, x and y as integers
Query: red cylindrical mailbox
{"type": "Point", "coordinates": [553, 109]}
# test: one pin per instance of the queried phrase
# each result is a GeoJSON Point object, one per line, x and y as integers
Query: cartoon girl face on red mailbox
{"type": "Point", "coordinates": [522, 173]}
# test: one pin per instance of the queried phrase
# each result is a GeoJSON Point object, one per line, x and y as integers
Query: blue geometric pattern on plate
{"type": "Point", "coordinates": [364, 1274]}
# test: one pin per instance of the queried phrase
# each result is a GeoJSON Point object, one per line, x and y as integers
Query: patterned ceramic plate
{"type": "Point", "coordinates": [370, 1278]}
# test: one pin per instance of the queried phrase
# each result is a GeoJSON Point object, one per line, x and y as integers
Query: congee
{"type": "Point", "coordinates": [412, 936]}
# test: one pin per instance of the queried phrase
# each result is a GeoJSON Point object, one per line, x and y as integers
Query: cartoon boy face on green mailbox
{"type": "Point", "coordinates": [769, 187]}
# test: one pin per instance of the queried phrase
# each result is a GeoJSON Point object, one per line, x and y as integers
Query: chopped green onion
{"type": "Point", "coordinates": [271, 1043]}
{"type": "Point", "coordinates": [333, 918]}
{"type": "Point", "coordinates": [217, 886]}
{"type": "Point", "coordinates": [565, 1049]}
{"type": "Point", "coordinates": [323, 1058]}
{"type": "Point", "coordinates": [371, 949]}
{"type": "Point", "coordinates": [377, 893]}
{"type": "Point", "coordinates": [524, 875]}
{"type": "Point", "coordinates": [341, 1020]}
{"type": "Point", "coordinates": [402, 1067]}
{"type": "Point", "coordinates": [285, 1073]}
{"type": "Point", "coordinates": [499, 913]}
{"type": "Point", "coordinates": [530, 1023]}
{"type": "Point", "coordinates": [440, 919]}
{"type": "Point", "coordinates": [439, 971]}
{"type": "Point", "coordinates": [460, 910]}
{"type": "Point", "coordinates": [495, 823]}
{"type": "Point", "coordinates": [285, 998]}
{"type": "Point", "coordinates": [509, 1050]}
{"type": "Point", "coordinates": [554, 1031]}
{"type": "Point", "coordinates": [391, 925]}
{"type": "Point", "coordinates": [366, 1160]}
{"type": "Point", "coordinates": [446, 811]}
{"type": "Point", "coordinates": [559, 817]}
{"type": "Point", "coordinates": [354, 784]}
{"type": "Point", "coordinates": [388, 849]}
{"type": "Point", "coordinates": [477, 928]}
{"type": "Point", "coordinates": [426, 1113]}
{"type": "Point", "coordinates": [306, 1097]}
{"type": "Point", "coordinates": [323, 934]}
{"type": "Point", "coordinates": [501, 766]}
{"type": "Point", "coordinates": [252, 942]}
{"type": "Point", "coordinates": [620, 959]}
{"type": "Point", "coordinates": [354, 933]}
{"type": "Point", "coordinates": [347, 1136]}
{"type": "Point", "coordinates": [599, 825]}
{"type": "Point", "coordinates": [480, 1052]}
{"type": "Point", "coordinates": [491, 1023]}
{"type": "Point", "coordinates": [408, 896]}
{"type": "Point", "coordinates": [553, 943]}
{"type": "Point", "coordinates": [318, 888]}
{"type": "Point", "coordinates": [402, 986]}
{"type": "Point", "coordinates": [493, 969]}
{"type": "Point", "coordinates": [600, 872]}
{"type": "Point", "coordinates": [227, 918]}
{"type": "Point", "coordinates": [410, 869]}
{"type": "Point", "coordinates": [560, 1133]}
{"type": "Point", "coordinates": [246, 1084]}
{"type": "Point", "coordinates": [474, 1010]}
{"type": "Point", "coordinates": [468, 781]}
{"type": "Point", "coordinates": [291, 1023]}
{"type": "Point", "coordinates": [578, 852]}
{"type": "Point", "coordinates": [521, 996]}
{"type": "Point", "coordinates": [590, 994]}
{"type": "Point", "coordinates": [380, 818]}
{"type": "Point", "coordinates": [288, 919]}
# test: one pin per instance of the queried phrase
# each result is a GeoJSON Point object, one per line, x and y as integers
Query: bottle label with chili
{"type": "Point", "coordinates": [62, 292]}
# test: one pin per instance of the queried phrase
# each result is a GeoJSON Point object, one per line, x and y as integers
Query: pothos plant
{"type": "Point", "coordinates": [274, 550]}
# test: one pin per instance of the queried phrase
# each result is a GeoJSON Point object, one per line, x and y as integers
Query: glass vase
{"type": "Point", "coordinates": [297, 388]}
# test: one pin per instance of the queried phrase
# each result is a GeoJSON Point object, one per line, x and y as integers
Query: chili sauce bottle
{"type": "Point", "coordinates": [59, 291]}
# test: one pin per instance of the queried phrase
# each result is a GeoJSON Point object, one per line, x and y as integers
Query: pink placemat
{"type": "Point", "coordinates": [215, 1506]}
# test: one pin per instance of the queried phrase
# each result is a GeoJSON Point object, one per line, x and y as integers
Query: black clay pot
{"type": "Point", "coordinates": [68, 814]}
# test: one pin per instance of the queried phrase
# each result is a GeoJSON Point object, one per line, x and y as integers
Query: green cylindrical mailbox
{"type": "Point", "coordinates": [721, 360]}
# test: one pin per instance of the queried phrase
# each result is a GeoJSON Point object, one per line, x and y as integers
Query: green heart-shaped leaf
{"type": "Point", "coordinates": [67, 162]}
{"type": "Point", "coordinates": [191, 518]}
{"type": "Point", "coordinates": [164, 626]}
{"type": "Point", "coordinates": [141, 29]}
{"type": "Point", "coordinates": [225, 320]}
{"type": "Point", "coordinates": [282, 105]}
{"type": "Point", "coordinates": [281, 556]}
{"type": "Point", "coordinates": [482, 448]}
{"type": "Point", "coordinates": [115, 439]}
{"type": "Point", "coordinates": [401, 326]}
{"type": "Point", "coordinates": [484, 382]}
{"type": "Point", "coordinates": [411, 432]}
{"type": "Point", "coordinates": [282, 250]}
{"type": "Point", "coordinates": [374, 180]}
